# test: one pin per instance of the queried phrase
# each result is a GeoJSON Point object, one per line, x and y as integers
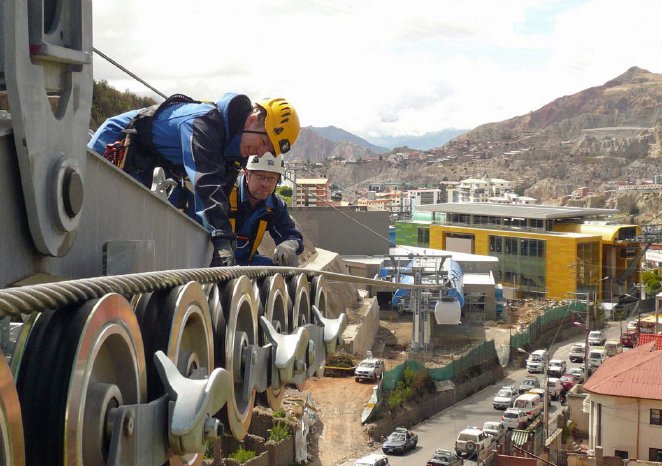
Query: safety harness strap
{"type": "Point", "coordinates": [233, 202]}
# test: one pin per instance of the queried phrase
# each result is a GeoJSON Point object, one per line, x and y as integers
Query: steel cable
{"type": "Point", "coordinates": [37, 298]}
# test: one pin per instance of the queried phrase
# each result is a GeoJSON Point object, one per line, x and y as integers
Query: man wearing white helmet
{"type": "Point", "coordinates": [255, 209]}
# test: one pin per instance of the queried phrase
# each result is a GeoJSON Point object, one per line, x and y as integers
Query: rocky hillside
{"type": "Point", "coordinates": [598, 138]}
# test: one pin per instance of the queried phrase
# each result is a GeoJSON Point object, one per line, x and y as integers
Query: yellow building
{"type": "Point", "coordinates": [543, 251]}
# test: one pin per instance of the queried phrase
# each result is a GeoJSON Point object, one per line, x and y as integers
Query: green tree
{"type": "Point", "coordinates": [285, 191]}
{"type": "Point", "coordinates": [652, 280]}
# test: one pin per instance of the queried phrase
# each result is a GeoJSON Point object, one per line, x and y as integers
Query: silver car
{"type": "Point", "coordinates": [504, 398]}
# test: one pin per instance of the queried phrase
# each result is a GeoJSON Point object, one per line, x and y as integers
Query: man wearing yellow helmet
{"type": "Point", "coordinates": [208, 143]}
{"type": "Point", "coordinates": [256, 209]}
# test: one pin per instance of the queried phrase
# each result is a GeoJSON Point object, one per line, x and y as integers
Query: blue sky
{"type": "Point", "coordinates": [380, 67]}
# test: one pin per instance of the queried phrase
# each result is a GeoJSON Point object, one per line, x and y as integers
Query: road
{"type": "Point", "coordinates": [441, 430]}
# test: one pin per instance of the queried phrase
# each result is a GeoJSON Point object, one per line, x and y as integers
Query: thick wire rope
{"type": "Point", "coordinates": [37, 298]}
{"type": "Point", "coordinates": [133, 75]}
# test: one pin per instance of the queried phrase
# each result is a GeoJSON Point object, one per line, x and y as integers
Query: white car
{"type": "Point", "coordinates": [597, 337]}
{"type": "Point", "coordinates": [578, 372]}
{"type": "Point", "coordinates": [369, 369]}
{"type": "Point", "coordinates": [556, 368]}
{"type": "Point", "coordinates": [373, 460]}
{"type": "Point", "coordinates": [514, 418]}
{"type": "Point", "coordinates": [495, 429]}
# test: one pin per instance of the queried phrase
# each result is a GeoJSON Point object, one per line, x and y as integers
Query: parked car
{"type": "Point", "coordinates": [633, 325]}
{"type": "Point", "coordinates": [579, 373]}
{"type": "Point", "coordinates": [613, 347]}
{"type": "Point", "coordinates": [530, 404]}
{"type": "Point", "coordinates": [537, 361]}
{"type": "Point", "coordinates": [444, 458]}
{"type": "Point", "coordinates": [529, 382]}
{"type": "Point", "coordinates": [596, 357]}
{"type": "Point", "coordinates": [568, 381]}
{"type": "Point", "coordinates": [369, 369]}
{"type": "Point", "coordinates": [514, 418]}
{"type": "Point", "coordinates": [538, 391]}
{"type": "Point", "coordinates": [556, 368]}
{"type": "Point", "coordinates": [504, 398]}
{"type": "Point", "coordinates": [597, 338]}
{"type": "Point", "coordinates": [399, 441]}
{"type": "Point", "coordinates": [495, 429]}
{"type": "Point", "coordinates": [630, 339]}
{"type": "Point", "coordinates": [372, 460]}
{"type": "Point", "coordinates": [471, 441]}
{"type": "Point", "coordinates": [577, 352]}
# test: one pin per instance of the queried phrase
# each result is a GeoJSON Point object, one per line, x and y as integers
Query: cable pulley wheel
{"type": "Point", "coordinates": [299, 291]}
{"type": "Point", "coordinates": [240, 311]}
{"type": "Point", "coordinates": [177, 322]}
{"type": "Point", "coordinates": [12, 448]}
{"type": "Point", "coordinates": [77, 365]}
{"type": "Point", "coordinates": [272, 292]}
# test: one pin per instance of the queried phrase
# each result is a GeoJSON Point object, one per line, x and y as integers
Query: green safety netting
{"type": "Point", "coordinates": [486, 351]}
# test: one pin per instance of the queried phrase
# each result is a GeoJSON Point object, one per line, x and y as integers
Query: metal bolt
{"type": "Point", "coordinates": [128, 425]}
{"type": "Point", "coordinates": [72, 192]}
{"type": "Point", "coordinates": [213, 428]}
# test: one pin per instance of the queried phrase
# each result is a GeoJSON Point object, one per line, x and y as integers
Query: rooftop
{"type": "Point", "coordinates": [522, 211]}
{"type": "Point", "coordinates": [636, 373]}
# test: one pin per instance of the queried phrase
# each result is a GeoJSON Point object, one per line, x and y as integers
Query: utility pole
{"type": "Point", "coordinates": [547, 401]}
{"type": "Point", "coordinates": [586, 331]}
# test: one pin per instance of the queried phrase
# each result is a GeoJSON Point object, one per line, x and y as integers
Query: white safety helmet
{"type": "Point", "coordinates": [267, 163]}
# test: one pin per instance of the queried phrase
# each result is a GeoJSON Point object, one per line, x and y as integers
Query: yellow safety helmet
{"type": "Point", "coordinates": [282, 123]}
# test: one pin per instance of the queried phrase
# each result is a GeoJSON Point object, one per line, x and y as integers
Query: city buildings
{"type": "Point", "coordinates": [625, 405]}
{"type": "Point", "coordinates": [543, 251]}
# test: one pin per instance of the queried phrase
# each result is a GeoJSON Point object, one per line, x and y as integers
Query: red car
{"type": "Point", "coordinates": [630, 339]}
{"type": "Point", "coordinates": [568, 381]}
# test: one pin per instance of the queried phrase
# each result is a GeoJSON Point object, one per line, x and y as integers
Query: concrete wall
{"type": "Point", "coordinates": [359, 338]}
{"type": "Point", "coordinates": [330, 228]}
{"type": "Point", "coordinates": [422, 409]}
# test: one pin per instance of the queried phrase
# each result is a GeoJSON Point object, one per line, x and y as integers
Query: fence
{"type": "Point", "coordinates": [486, 351]}
{"type": "Point", "coordinates": [479, 355]}
{"type": "Point", "coordinates": [552, 318]}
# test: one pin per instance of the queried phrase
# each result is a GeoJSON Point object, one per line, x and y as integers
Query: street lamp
{"type": "Point", "coordinates": [545, 406]}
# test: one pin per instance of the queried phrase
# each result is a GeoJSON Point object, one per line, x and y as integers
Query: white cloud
{"type": "Point", "coordinates": [380, 67]}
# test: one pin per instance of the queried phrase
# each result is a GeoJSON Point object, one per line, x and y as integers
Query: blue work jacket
{"type": "Point", "coordinates": [279, 224]}
{"type": "Point", "coordinates": [202, 140]}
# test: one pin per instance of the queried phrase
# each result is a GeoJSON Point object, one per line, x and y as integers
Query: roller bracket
{"type": "Point", "coordinates": [192, 405]}
{"type": "Point", "coordinates": [290, 354]}
{"type": "Point", "coordinates": [333, 328]}
{"type": "Point", "coordinates": [255, 374]}
{"type": "Point", "coordinates": [316, 354]}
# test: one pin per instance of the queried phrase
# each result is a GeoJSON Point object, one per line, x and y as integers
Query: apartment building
{"type": "Point", "coordinates": [625, 405]}
{"type": "Point", "coordinates": [543, 251]}
{"type": "Point", "coordinates": [312, 192]}
{"type": "Point", "coordinates": [478, 190]}
{"type": "Point", "coordinates": [423, 197]}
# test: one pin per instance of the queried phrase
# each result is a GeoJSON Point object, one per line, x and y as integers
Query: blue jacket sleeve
{"type": "Point", "coordinates": [202, 141]}
{"type": "Point", "coordinates": [282, 227]}
{"type": "Point", "coordinates": [110, 131]}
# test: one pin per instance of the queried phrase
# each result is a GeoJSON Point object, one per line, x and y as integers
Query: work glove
{"type": "Point", "coordinates": [285, 254]}
{"type": "Point", "coordinates": [223, 258]}
{"type": "Point", "coordinates": [223, 253]}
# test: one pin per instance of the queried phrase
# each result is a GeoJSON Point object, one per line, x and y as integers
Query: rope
{"type": "Point", "coordinates": [133, 75]}
{"type": "Point", "coordinates": [37, 298]}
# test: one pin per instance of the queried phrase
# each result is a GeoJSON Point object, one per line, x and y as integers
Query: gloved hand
{"type": "Point", "coordinates": [285, 254]}
{"type": "Point", "coordinates": [223, 253]}
{"type": "Point", "coordinates": [222, 258]}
